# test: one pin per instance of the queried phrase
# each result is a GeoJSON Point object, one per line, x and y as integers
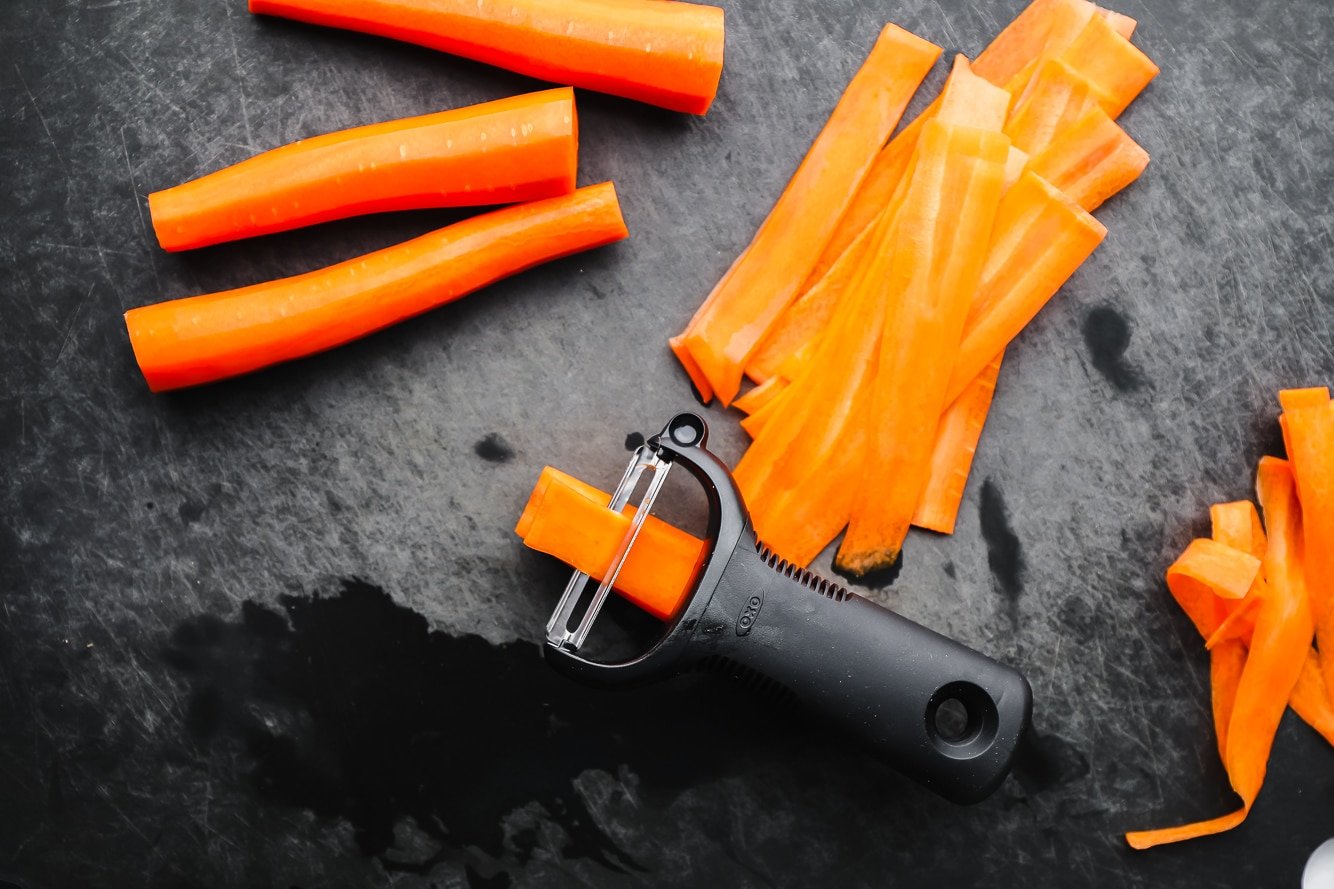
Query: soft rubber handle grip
{"type": "Point", "coordinates": [935, 709]}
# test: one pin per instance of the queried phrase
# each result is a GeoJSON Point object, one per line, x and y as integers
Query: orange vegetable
{"type": "Point", "coordinates": [569, 519]}
{"type": "Point", "coordinates": [952, 453]}
{"type": "Point", "coordinates": [517, 149]}
{"type": "Point", "coordinates": [1226, 663]}
{"type": "Point", "coordinates": [1057, 96]}
{"type": "Point", "coordinates": [1308, 429]}
{"type": "Point", "coordinates": [1116, 69]}
{"type": "Point", "coordinates": [656, 51]}
{"type": "Point", "coordinates": [1043, 28]}
{"type": "Point", "coordinates": [1278, 649]}
{"type": "Point", "coordinates": [935, 271]}
{"type": "Point", "coordinates": [196, 340]}
{"type": "Point", "coordinates": [1311, 698]}
{"type": "Point", "coordinates": [1040, 238]}
{"type": "Point", "coordinates": [765, 278]}
{"type": "Point", "coordinates": [1121, 24]}
{"type": "Point", "coordinates": [1206, 571]}
{"type": "Point", "coordinates": [1091, 160]}
{"type": "Point", "coordinates": [966, 99]}
{"type": "Point", "coordinates": [760, 395]}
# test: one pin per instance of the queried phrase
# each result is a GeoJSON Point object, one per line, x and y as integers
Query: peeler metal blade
{"type": "Point", "coordinates": [646, 459]}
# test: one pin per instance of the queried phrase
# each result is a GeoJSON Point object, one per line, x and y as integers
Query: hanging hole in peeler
{"type": "Point", "coordinates": [961, 720]}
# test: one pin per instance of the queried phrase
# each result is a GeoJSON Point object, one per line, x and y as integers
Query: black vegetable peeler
{"type": "Point", "coordinates": [938, 711]}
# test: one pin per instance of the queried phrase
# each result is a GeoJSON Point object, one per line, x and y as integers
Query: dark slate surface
{"type": "Point", "coordinates": [277, 632]}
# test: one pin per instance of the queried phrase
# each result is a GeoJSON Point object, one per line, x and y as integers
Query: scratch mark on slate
{"type": "Point", "coordinates": [55, 149]}
{"type": "Point", "coordinates": [69, 328]}
{"type": "Point", "coordinates": [1107, 336]}
{"type": "Point", "coordinates": [494, 448]}
{"type": "Point", "coordinates": [1004, 555]}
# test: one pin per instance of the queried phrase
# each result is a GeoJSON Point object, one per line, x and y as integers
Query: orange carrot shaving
{"type": "Point", "coordinates": [200, 339]}
{"type": "Point", "coordinates": [1121, 24]}
{"type": "Point", "coordinates": [765, 278]}
{"type": "Point", "coordinates": [1226, 663]}
{"type": "Point", "coordinates": [1091, 160]}
{"type": "Point", "coordinates": [1057, 96]}
{"type": "Point", "coordinates": [1311, 698]}
{"type": "Point", "coordinates": [943, 249]}
{"type": "Point", "coordinates": [1206, 571]}
{"type": "Point", "coordinates": [1040, 238]}
{"type": "Point", "coordinates": [1279, 646]}
{"type": "Point", "coordinates": [518, 149]}
{"type": "Point", "coordinates": [952, 454]}
{"type": "Point", "coordinates": [1308, 429]}
{"type": "Point", "coordinates": [569, 519]}
{"type": "Point", "coordinates": [967, 100]}
{"type": "Point", "coordinates": [1116, 69]}
{"type": "Point", "coordinates": [657, 51]}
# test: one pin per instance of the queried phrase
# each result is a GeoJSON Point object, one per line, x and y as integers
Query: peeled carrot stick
{"type": "Point", "coordinates": [765, 278]}
{"type": "Point", "coordinates": [952, 453]}
{"type": "Point", "coordinates": [1092, 160]}
{"type": "Point", "coordinates": [943, 245]}
{"type": "Point", "coordinates": [518, 149]}
{"type": "Point", "coordinates": [1279, 647]}
{"type": "Point", "coordinates": [1308, 429]}
{"type": "Point", "coordinates": [1057, 96]}
{"type": "Point", "coordinates": [569, 519]}
{"type": "Point", "coordinates": [1040, 238]}
{"type": "Point", "coordinates": [1311, 699]}
{"type": "Point", "coordinates": [656, 51]}
{"type": "Point", "coordinates": [200, 339]}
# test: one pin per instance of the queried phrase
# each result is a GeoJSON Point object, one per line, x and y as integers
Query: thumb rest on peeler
{"type": "Point", "coordinates": [938, 711]}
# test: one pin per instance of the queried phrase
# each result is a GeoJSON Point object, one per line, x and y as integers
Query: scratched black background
{"type": "Point", "coordinates": [277, 632]}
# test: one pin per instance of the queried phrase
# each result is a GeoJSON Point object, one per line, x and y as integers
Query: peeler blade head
{"type": "Point", "coordinates": [646, 464]}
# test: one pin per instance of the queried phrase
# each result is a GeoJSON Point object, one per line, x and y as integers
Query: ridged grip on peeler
{"type": "Point", "coordinates": [872, 672]}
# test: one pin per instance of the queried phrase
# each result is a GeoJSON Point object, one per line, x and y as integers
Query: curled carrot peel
{"type": "Point", "coordinates": [569, 519]}
{"type": "Point", "coordinates": [1278, 649]}
{"type": "Point", "coordinates": [1311, 698]}
{"type": "Point", "coordinates": [765, 278]}
{"type": "Point", "coordinates": [518, 149]}
{"type": "Point", "coordinates": [1308, 429]}
{"type": "Point", "coordinates": [662, 52]}
{"type": "Point", "coordinates": [200, 339]}
{"type": "Point", "coordinates": [1206, 571]}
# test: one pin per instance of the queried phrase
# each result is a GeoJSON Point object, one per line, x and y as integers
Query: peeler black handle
{"type": "Point", "coordinates": [940, 712]}
{"type": "Point", "coordinates": [937, 710]}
